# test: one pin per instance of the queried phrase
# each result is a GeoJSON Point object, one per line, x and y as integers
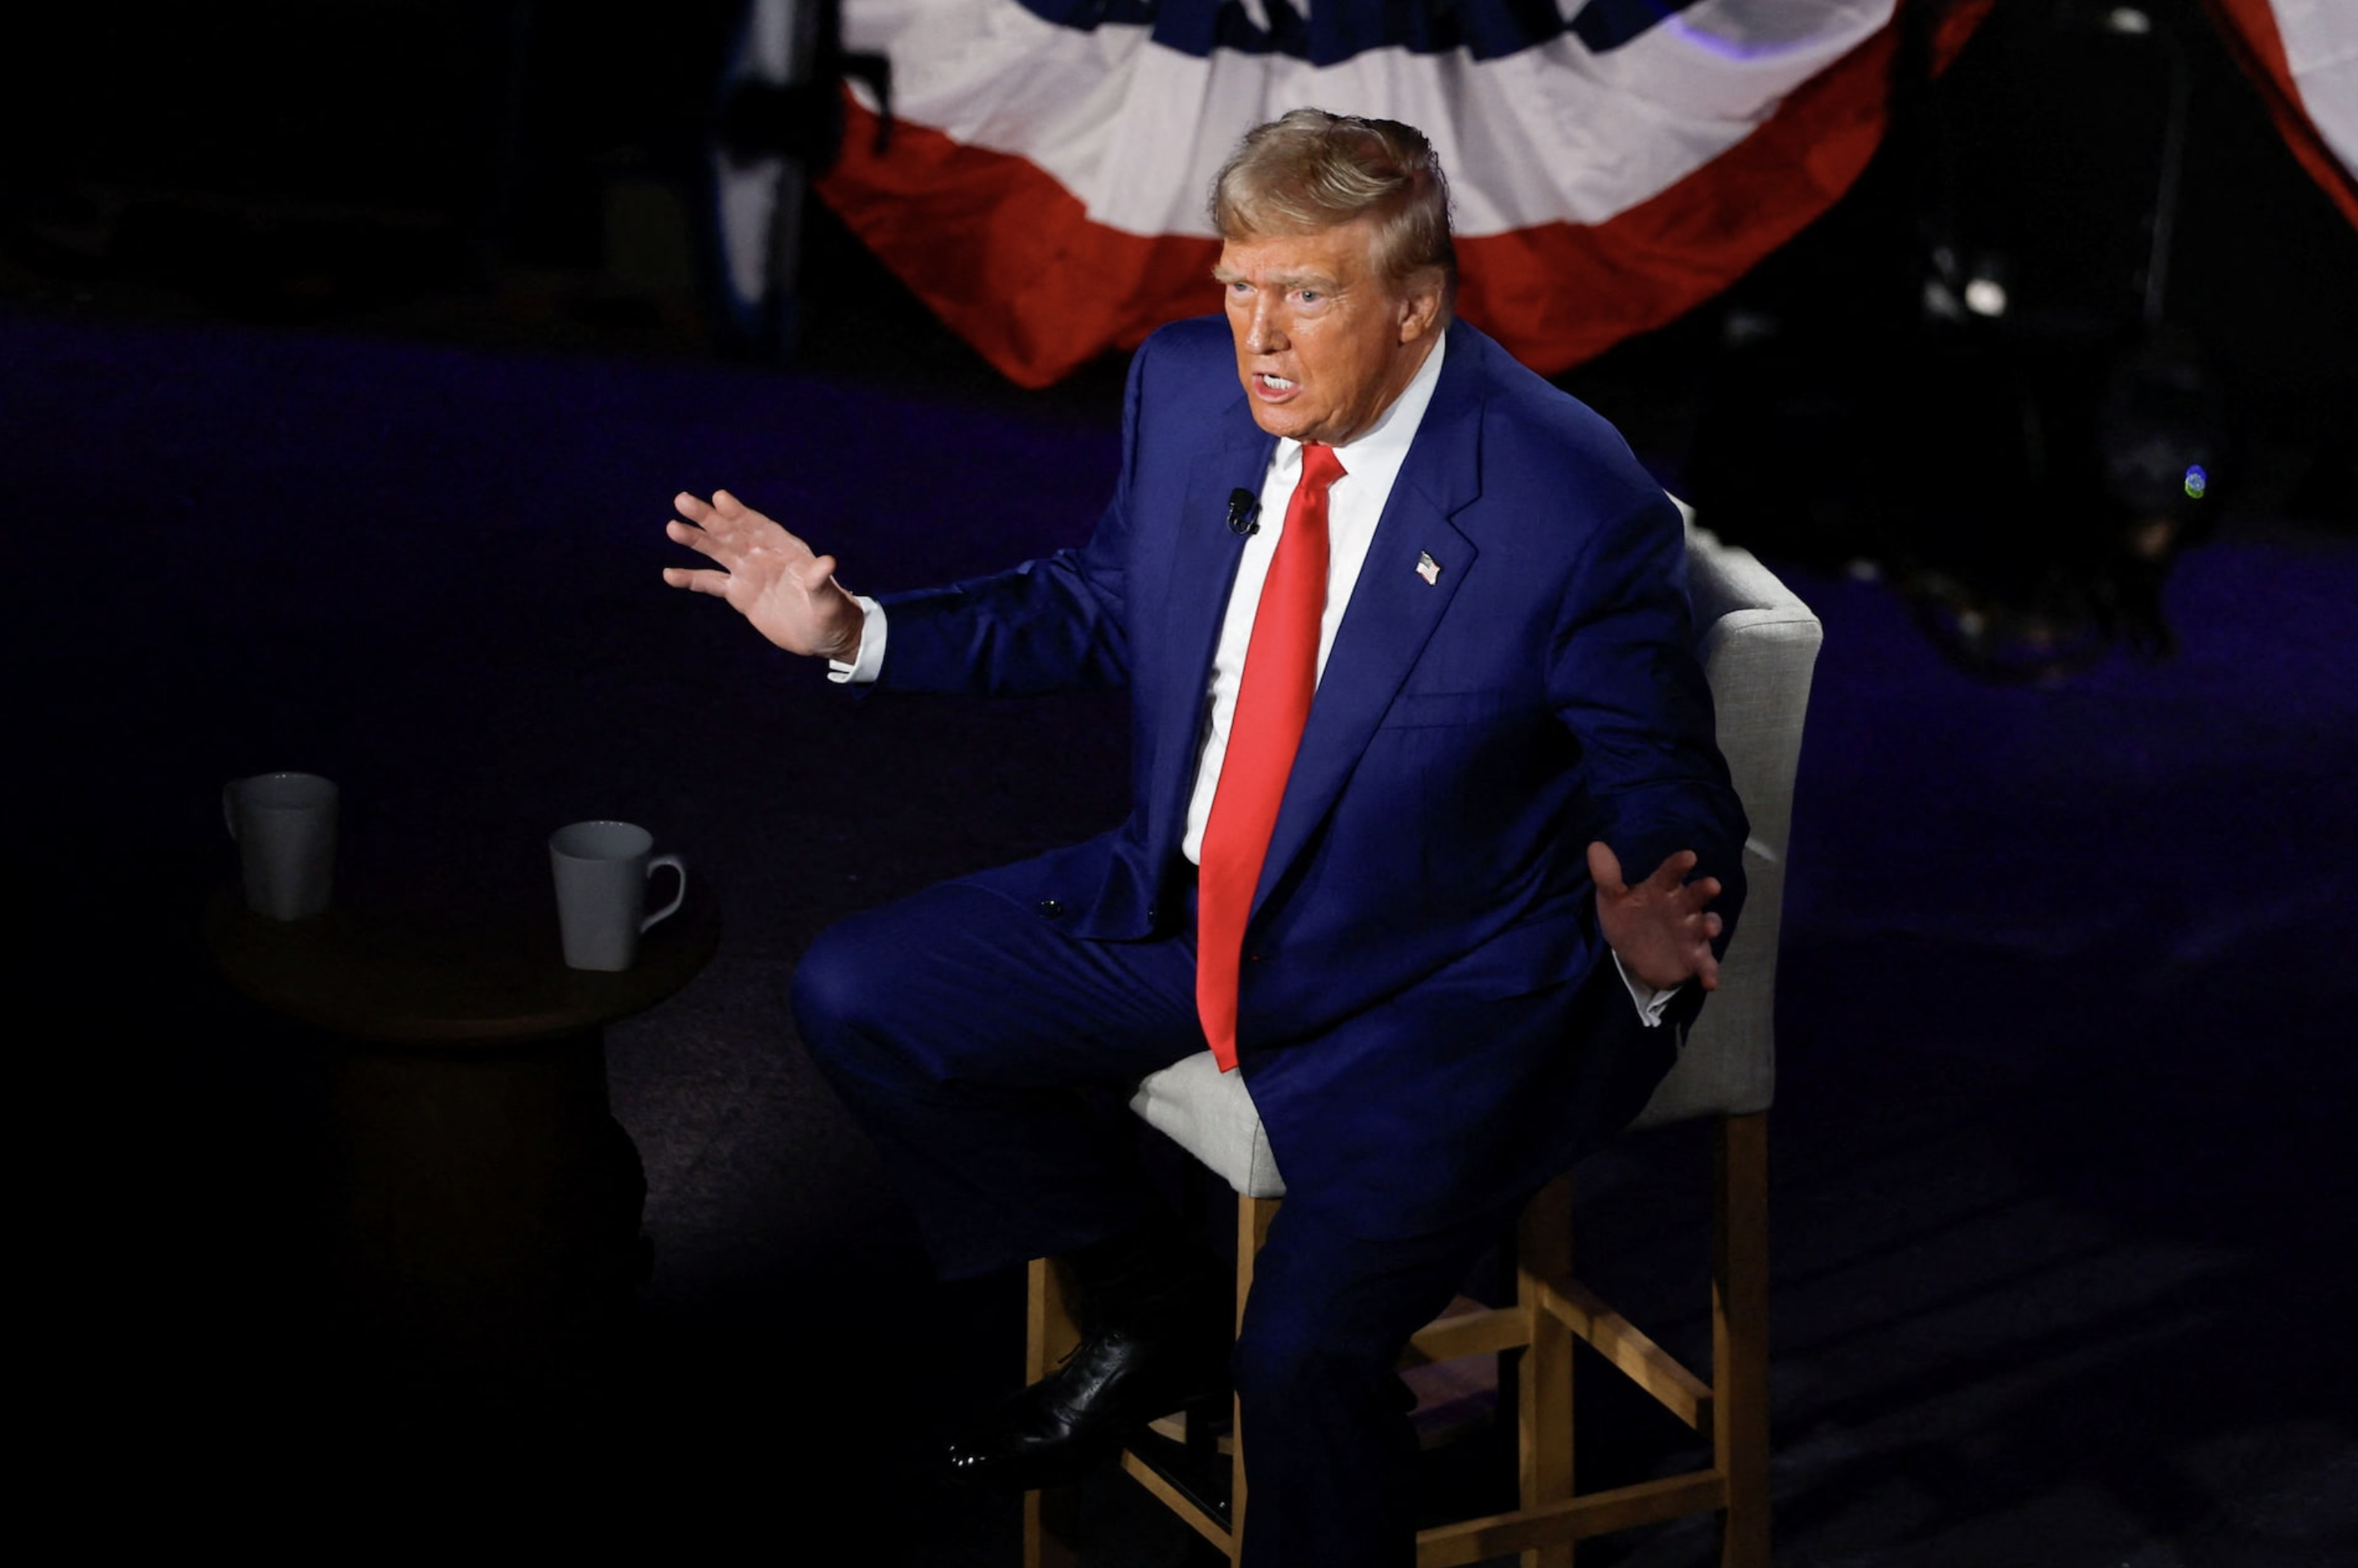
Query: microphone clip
{"type": "Point", "coordinates": [1244, 512]}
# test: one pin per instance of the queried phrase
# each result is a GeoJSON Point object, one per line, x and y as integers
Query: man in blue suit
{"type": "Point", "coordinates": [1406, 639]}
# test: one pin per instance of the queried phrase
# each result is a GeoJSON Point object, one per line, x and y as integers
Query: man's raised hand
{"type": "Point", "coordinates": [767, 575]}
{"type": "Point", "coordinates": [1660, 928]}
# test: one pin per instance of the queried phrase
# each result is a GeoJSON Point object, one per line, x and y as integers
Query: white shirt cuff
{"type": "Point", "coordinates": [862, 670]}
{"type": "Point", "coordinates": [1650, 1002]}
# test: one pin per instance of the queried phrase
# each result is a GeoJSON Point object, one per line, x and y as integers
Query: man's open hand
{"type": "Point", "coordinates": [1662, 929]}
{"type": "Point", "coordinates": [769, 577]}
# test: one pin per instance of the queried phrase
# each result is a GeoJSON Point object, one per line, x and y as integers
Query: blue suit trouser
{"type": "Point", "coordinates": [965, 1030]}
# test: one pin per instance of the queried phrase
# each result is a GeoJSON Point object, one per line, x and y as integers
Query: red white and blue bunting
{"type": "Point", "coordinates": [1615, 162]}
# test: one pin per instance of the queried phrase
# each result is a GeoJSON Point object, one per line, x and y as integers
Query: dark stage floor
{"type": "Point", "coordinates": [2060, 1278]}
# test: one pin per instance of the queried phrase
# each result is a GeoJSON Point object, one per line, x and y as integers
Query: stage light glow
{"type": "Point", "coordinates": [2198, 480]}
{"type": "Point", "coordinates": [1985, 296]}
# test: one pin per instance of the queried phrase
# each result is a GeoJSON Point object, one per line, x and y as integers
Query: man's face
{"type": "Point", "coordinates": [1323, 343]}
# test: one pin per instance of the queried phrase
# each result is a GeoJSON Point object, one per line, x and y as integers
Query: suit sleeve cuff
{"type": "Point", "coordinates": [862, 670]}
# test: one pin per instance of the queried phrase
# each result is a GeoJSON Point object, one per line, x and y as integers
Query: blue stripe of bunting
{"type": "Point", "coordinates": [1332, 33]}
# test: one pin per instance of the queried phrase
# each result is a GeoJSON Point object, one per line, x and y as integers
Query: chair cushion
{"type": "Point", "coordinates": [1207, 1113]}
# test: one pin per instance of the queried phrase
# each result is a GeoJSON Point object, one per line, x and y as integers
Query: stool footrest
{"type": "Point", "coordinates": [1596, 1513]}
{"type": "Point", "coordinates": [1626, 1346]}
{"type": "Point", "coordinates": [1159, 1465]}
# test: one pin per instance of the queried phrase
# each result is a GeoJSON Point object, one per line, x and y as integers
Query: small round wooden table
{"type": "Point", "coordinates": [483, 1205]}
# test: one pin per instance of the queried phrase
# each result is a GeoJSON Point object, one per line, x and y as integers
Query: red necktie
{"type": "Point", "coordinates": [1272, 702]}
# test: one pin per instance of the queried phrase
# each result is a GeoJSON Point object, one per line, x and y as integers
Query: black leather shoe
{"type": "Point", "coordinates": [1079, 1416]}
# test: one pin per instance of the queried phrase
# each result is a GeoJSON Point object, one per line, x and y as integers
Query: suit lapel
{"type": "Point", "coordinates": [1194, 602]}
{"type": "Point", "coordinates": [1394, 608]}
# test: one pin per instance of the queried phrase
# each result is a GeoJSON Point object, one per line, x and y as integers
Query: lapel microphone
{"type": "Point", "coordinates": [1244, 508]}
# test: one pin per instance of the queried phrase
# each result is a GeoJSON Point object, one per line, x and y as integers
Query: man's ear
{"type": "Point", "coordinates": [1420, 306]}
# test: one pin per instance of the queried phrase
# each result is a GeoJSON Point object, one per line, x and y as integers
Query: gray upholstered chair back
{"type": "Point", "coordinates": [1758, 645]}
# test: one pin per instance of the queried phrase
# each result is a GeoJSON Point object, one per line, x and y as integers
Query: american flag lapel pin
{"type": "Point", "coordinates": [1428, 568]}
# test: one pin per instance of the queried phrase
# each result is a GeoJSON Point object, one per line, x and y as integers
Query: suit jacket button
{"type": "Point", "coordinates": [1155, 915]}
{"type": "Point", "coordinates": [1050, 908]}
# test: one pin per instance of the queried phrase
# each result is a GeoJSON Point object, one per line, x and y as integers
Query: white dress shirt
{"type": "Point", "coordinates": [1355, 504]}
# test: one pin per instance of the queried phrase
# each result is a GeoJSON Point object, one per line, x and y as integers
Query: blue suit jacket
{"type": "Point", "coordinates": [1416, 1018]}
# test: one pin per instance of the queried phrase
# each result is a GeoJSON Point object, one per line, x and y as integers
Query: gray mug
{"type": "Point", "coordinates": [601, 870]}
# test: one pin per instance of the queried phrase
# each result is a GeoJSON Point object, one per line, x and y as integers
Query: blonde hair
{"type": "Point", "coordinates": [1308, 170]}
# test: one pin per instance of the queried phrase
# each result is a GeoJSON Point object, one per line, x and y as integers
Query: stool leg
{"type": "Point", "coordinates": [1254, 1217]}
{"type": "Point", "coordinates": [1739, 1349]}
{"type": "Point", "coordinates": [1049, 1334]}
{"type": "Point", "coordinates": [1544, 1404]}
